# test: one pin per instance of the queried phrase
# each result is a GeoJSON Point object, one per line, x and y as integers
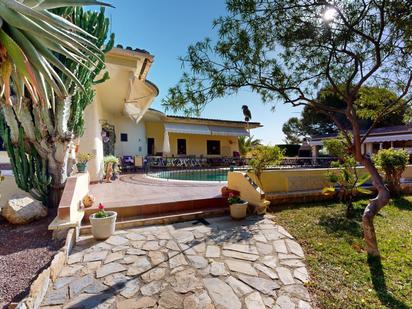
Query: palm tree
{"type": "Point", "coordinates": [50, 53]}
{"type": "Point", "coordinates": [247, 143]}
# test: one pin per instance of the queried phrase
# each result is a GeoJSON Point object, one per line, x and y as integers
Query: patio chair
{"type": "Point", "coordinates": [138, 162]}
{"type": "Point", "coordinates": [128, 164]}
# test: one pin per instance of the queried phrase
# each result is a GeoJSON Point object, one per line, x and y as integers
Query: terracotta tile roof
{"type": "Point", "coordinates": [143, 51]}
{"type": "Point", "coordinates": [212, 119]}
{"type": "Point", "coordinates": [257, 124]}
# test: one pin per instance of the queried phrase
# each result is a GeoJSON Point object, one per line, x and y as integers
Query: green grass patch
{"type": "Point", "coordinates": [341, 275]}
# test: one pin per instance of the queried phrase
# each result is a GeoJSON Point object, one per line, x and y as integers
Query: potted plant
{"type": "Point", "coordinates": [81, 161]}
{"type": "Point", "coordinates": [237, 206]}
{"type": "Point", "coordinates": [103, 223]}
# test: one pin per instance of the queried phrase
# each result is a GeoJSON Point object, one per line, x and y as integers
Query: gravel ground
{"type": "Point", "coordinates": [24, 252]}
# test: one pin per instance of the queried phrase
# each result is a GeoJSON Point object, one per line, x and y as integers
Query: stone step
{"type": "Point", "coordinates": [167, 218]}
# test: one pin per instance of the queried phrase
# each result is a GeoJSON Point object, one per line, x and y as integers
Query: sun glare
{"type": "Point", "coordinates": [329, 14]}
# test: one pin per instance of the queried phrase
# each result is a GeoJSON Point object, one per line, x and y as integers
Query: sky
{"type": "Point", "coordinates": [165, 28]}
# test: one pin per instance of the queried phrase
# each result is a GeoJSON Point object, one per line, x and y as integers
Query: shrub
{"type": "Point", "coordinates": [263, 157]}
{"type": "Point", "coordinates": [290, 150]}
{"type": "Point", "coordinates": [344, 175]}
{"type": "Point", "coordinates": [393, 163]}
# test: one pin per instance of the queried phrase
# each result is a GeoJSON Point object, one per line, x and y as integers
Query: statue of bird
{"type": "Point", "coordinates": [246, 113]}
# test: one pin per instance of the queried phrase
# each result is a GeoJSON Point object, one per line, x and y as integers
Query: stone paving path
{"type": "Point", "coordinates": [249, 264]}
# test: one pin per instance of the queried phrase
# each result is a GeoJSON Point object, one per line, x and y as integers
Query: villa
{"type": "Point", "coordinates": [398, 137]}
{"type": "Point", "coordinates": [120, 121]}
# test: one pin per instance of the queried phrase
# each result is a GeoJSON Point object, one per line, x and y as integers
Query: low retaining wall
{"type": "Point", "coordinates": [40, 285]}
{"type": "Point", "coordinates": [70, 212]}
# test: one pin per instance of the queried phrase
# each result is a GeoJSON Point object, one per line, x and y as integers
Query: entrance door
{"type": "Point", "coordinates": [181, 146]}
{"type": "Point", "coordinates": [150, 146]}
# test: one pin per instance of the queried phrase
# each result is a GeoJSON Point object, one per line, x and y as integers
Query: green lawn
{"type": "Point", "coordinates": [341, 276]}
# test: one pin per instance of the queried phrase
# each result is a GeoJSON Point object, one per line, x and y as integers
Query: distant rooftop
{"type": "Point", "coordinates": [255, 124]}
{"type": "Point", "coordinates": [400, 129]}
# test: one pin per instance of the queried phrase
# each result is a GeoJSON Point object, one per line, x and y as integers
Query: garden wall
{"type": "Point", "coordinates": [295, 180]}
{"type": "Point", "coordinates": [295, 185]}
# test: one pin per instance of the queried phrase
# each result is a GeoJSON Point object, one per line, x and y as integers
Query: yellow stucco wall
{"type": "Point", "coordinates": [4, 157]}
{"type": "Point", "coordinates": [293, 180]}
{"type": "Point", "coordinates": [196, 144]}
{"type": "Point", "coordinates": [155, 130]}
{"type": "Point", "coordinates": [8, 188]}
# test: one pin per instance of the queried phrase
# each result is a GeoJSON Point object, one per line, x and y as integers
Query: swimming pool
{"type": "Point", "coordinates": [194, 175]}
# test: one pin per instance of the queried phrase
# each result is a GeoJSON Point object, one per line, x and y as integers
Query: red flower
{"type": "Point", "coordinates": [101, 207]}
{"type": "Point", "coordinates": [231, 194]}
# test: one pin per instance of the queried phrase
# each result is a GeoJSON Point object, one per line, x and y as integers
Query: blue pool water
{"type": "Point", "coordinates": [193, 175]}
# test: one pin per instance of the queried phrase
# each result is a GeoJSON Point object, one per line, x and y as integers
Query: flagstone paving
{"type": "Point", "coordinates": [249, 264]}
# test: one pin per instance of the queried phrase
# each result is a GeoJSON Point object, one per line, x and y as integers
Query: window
{"type": "Point", "coordinates": [181, 146]}
{"type": "Point", "coordinates": [123, 137]}
{"type": "Point", "coordinates": [213, 147]}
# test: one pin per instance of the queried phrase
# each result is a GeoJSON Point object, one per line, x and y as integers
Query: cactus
{"type": "Point", "coordinates": [30, 171]}
{"type": "Point", "coordinates": [38, 136]}
{"type": "Point", "coordinates": [97, 25]}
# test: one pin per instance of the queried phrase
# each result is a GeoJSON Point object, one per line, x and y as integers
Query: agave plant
{"type": "Point", "coordinates": [31, 38]}
{"type": "Point", "coordinates": [51, 52]}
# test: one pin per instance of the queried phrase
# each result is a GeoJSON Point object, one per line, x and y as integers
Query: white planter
{"type": "Point", "coordinates": [238, 211]}
{"type": "Point", "coordinates": [103, 228]}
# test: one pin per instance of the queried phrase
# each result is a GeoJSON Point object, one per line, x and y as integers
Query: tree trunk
{"type": "Point", "coordinates": [374, 206]}
{"type": "Point", "coordinates": [349, 209]}
{"type": "Point", "coordinates": [57, 167]}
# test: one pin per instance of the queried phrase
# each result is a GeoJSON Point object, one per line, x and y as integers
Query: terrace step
{"type": "Point", "coordinates": [159, 209]}
{"type": "Point", "coordinates": [168, 218]}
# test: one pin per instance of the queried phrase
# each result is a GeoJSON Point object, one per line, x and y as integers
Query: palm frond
{"type": "Point", "coordinates": [33, 36]}
{"type": "Point", "coordinates": [328, 191]}
{"type": "Point", "coordinates": [364, 191]}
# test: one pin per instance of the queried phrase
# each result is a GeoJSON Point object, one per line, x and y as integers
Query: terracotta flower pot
{"type": "Point", "coordinates": [238, 211]}
{"type": "Point", "coordinates": [103, 228]}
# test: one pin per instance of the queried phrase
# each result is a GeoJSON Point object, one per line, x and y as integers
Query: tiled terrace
{"type": "Point", "coordinates": [137, 189]}
{"type": "Point", "coordinates": [136, 195]}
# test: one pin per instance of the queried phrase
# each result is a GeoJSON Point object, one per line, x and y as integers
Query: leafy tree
{"type": "Point", "coordinates": [393, 162]}
{"type": "Point", "coordinates": [370, 102]}
{"type": "Point", "coordinates": [344, 174]}
{"type": "Point", "coordinates": [294, 131]}
{"type": "Point", "coordinates": [247, 143]}
{"type": "Point", "coordinates": [50, 55]}
{"type": "Point", "coordinates": [289, 50]}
